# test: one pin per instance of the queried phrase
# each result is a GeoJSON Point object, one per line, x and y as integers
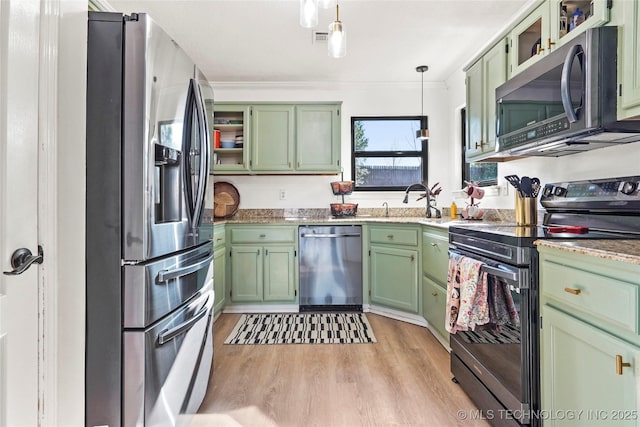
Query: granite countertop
{"type": "Point", "coordinates": [627, 251]}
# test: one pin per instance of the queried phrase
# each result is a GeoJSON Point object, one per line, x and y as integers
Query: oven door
{"type": "Point", "coordinates": [500, 358]}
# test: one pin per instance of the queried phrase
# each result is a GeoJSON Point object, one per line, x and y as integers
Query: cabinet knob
{"type": "Point", "coordinates": [412, 258]}
{"type": "Point", "coordinates": [479, 144]}
{"type": "Point", "coordinates": [389, 236]}
{"type": "Point", "coordinates": [435, 294]}
{"type": "Point", "coordinates": [573, 291]}
{"type": "Point", "coordinates": [263, 236]}
{"type": "Point", "coordinates": [218, 239]}
{"type": "Point", "coordinates": [550, 43]}
{"type": "Point", "coordinates": [620, 364]}
{"type": "Point", "coordinates": [434, 244]}
{"type": "Point", "coordinates": [266, 252]}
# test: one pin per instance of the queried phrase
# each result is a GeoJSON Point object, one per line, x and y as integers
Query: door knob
{"type": "Point", "coordinates": [22, 259]}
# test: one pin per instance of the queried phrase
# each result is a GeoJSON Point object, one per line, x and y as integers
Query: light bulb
{"type": "Point", "coordinates": [337, 40]}
{"type": "Point", "coordinates": [308, 13]}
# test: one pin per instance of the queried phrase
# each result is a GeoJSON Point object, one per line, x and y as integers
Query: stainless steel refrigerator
{"type": "Point", "coordinates": [149, 270]}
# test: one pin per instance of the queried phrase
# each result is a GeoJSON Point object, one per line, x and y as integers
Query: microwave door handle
{"type": "Point", "coordinates": [565, 89]}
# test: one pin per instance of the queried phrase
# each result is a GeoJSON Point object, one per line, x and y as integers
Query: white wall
{"type": "Point", "coordinates": [383, 99]}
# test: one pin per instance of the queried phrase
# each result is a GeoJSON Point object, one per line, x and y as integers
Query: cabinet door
{"type": "Point", "coordinates": [435, 256]}
{"type": "Point", "coordinates": [629, 61]}
{"type": "Point", "coordinates": [475, 98]}
{"type": "Point", "coordinates": [596, 12]}
{"type": "Point", "coordinates": [495, 73]}
{"type": "Point", "coordinates": [279, 273]}
{"type": "Point", "coordinates": [434, 300]}
{"type": "Point", "coordinates": [232, 121]}
{"type": "Point", "coordinates": [579, 373]}
{"type": "Point", "coordinates": [526, 36]}
{"type": "Point", "coordinates": [219, 278]}
{"type": "Point", "coordinates": [246, 273]}
{"type": "Point", "coordinates": [394, 277]}
{"type": "Point", "coordinates": [318, 138]}
{"type": "Point", "coordinates": [272, 127]}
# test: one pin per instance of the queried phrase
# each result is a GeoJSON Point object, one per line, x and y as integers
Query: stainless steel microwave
{"type": "Point", "coordinates": [566, 102]}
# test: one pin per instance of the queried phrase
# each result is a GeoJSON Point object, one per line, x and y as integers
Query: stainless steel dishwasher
{"type": "Point", "coordinates": [330, 268]}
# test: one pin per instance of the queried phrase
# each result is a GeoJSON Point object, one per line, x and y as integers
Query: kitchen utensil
{"type": "Point", "coordinates": [514, 181]}
{"type": "Point", "coordinates": [226, 199]}
{"type": "Point", "coordinates": [535, 187]}
{"type": "Point", "coordinates": [525, 186]}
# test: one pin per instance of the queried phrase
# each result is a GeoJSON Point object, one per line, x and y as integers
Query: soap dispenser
{"type": "Point", "coordinates": [453, 210]}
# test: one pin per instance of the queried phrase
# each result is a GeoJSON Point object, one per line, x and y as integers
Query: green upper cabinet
{"type": "Point", "coordinates": [232, 123]}
{"type": "Point", "coordinates": [272, 127]}
{"type": "Point", "coordinates": [549, 26]}
{"type": "Point", "coordinates": [482, 79]}
{"type": "Point", "coordinates": [318, 138]}
{"type": "Point", "coordinates": [279, 138]}
{"type": "Point", "coordinates": [629, 61]}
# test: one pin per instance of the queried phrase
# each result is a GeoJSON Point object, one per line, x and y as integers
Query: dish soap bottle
{"type": "Point", "coordinates": [453, 210]}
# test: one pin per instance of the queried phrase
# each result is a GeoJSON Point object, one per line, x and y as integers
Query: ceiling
{"type": "Point", "coordinates": [262, 41]}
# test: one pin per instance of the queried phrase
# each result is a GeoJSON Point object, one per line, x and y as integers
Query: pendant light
{"type": "Point", "coordinates": [422, 133]}
{"type": "Point", "coordinates": [326, 4]}
{"type": "Point", "coordinates": [308, 13]}
{"type": "Point", "coordinates": [337, 37]}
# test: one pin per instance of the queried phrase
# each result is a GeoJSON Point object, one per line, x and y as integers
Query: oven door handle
{"type": "Point", "coordinates": [169, 334]}
{"type": "Point", "coordinates": [500, 273]}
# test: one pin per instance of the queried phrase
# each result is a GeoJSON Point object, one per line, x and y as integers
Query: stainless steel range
{"type": "Point", "coordinates": [499, 367]}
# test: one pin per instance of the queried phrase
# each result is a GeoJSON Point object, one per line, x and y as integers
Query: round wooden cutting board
{"type": "Point", "coordinates": [226, 199]}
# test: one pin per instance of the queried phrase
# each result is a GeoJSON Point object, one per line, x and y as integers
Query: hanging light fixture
{"type": "Point", "coordinates": [337, 37]}
{"type": "Point", "coordinates": [422, 133]}
{"type": "Point", "coordinates": [308, 13]}
{"type": "Point", "coordinates": [326, 4]}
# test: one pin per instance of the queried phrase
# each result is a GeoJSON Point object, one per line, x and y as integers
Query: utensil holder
{"type": "Point", "coordinates": [526, 210]}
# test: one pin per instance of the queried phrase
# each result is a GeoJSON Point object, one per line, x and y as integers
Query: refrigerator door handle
{"type": "Point", "coordinates": [166, 275]}
{"type": "Point", "coordinates": [169, 334]}
{"type": "Point", "coordinates": [195, 196]}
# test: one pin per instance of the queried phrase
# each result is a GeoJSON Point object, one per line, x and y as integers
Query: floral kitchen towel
{"type": "Point", "coordinates": [473, 295]}
{"type": "Point", "coordinates": [502, 307]}
{"type": "Point", "coordinates": [453, 293]}
{"type": "Point", "coordinates": [466, 305]}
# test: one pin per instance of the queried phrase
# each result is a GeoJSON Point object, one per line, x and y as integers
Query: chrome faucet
{"type": "Point", "coordinates": [428, 196]}
{"type": "Point", "coordinates": [386, 205]}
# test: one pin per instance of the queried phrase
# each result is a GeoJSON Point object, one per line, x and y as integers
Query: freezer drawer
{"type": "Point", "coordinates": [154, 289]}
{"type": "Point", "coordinates": [167, 367]}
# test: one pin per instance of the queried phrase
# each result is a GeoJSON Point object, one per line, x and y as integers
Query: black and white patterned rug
{"type": "Point", "coordinates": [302, 328]}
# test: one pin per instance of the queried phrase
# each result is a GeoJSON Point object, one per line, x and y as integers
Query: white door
{"type": "Point", "coordinates": [19, 55]}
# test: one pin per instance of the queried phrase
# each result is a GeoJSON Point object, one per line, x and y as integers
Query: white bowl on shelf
{"type": "Point", "coordinates": [227, 144]}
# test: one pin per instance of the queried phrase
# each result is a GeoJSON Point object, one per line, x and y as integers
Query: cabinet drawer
{"type": "Point", "coordinates": [610, 299]}
{"type": "Point", "coordinates": [394, 236]}
{"type": "Point", "coordinates": [435, 256]}
{"type": "Point", "coordinates": [434, 301]}
{"type": "Point", "coordinates": [270, 235]}
{"type": "Point", "coordinates": [218, 236]}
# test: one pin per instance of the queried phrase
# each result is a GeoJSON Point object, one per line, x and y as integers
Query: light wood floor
{"type": "Point", "coordinates": [402, 380]}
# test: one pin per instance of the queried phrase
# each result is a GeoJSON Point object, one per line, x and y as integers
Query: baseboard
{"type": "Point", "coordinates": [261, 308]}
{"type": "Point", "coordinates": [396, 314]}
{"type": "Point", "coordinates": [439, 337]}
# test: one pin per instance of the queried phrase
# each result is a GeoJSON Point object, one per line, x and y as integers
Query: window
{"type": "Point", "coordinates": [482, 173]}
{"type": "Point", "coordinates": [386, 154]}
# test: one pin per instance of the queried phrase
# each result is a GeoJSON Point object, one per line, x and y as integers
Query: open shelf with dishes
{"type": "Point", "coordinates": [230, 131]}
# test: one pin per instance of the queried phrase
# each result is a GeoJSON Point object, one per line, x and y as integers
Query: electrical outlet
{"type": "Point", "coordinates": [283, 195]}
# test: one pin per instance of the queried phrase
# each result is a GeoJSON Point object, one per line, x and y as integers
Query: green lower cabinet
{"type": "Point", "coordinates": [434, 299]}
{"type": "Point", "coordinates": [262, 273]}
{"type": "Point", "coordinates": [394, 277]}
{"type": "Point", "coordinates": [580, 375]}
{"type": "Point", "coordinates": [279, 268]}
{"type": "Point", "coordinates": [246, 273]}
{"type": "Point", "coordinates": [219, 279]}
